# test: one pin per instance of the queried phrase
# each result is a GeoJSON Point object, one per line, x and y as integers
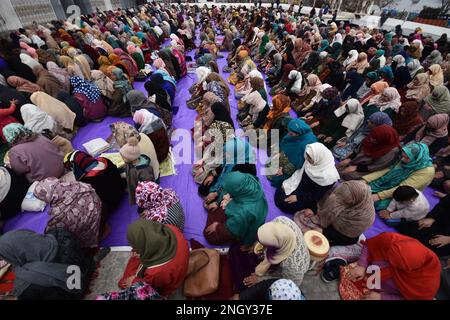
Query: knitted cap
{"type": "Point", "coordinates": [131, 150]}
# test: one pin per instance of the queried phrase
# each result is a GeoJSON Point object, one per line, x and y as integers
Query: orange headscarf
{"type": "Point", "coordinates": [281, 104]}
{"type": "Point", "coordinates": [375, 89]}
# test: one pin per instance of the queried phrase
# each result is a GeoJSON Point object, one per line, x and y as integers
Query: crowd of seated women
{"type": "Point", "coordinates": [362, 116]}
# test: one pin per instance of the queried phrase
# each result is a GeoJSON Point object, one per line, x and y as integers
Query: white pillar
{"type": "Point", "coordinates": [12, 21]}
{"type": "Point", "coordinates": [108, 5]}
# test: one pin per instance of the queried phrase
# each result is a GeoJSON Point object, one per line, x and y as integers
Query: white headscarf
{"type": "Point", "coordinates": [28, 60]}
{"type": "Point", "coordinates": [352, 57]}
{"type": "Point", "coordinates": [400, 60]}
{"type": "Point", "coordinates": [202, 73]}
{"type": "Point", "coordinates": [322, 171]}
{"type": "Point", "coordinates": [5, 183]}
{"type": "Point", "coordinates": [354, 118]}
{"type": "Point", "coordinates": [297, 76]}
{"type": "Point", "coordinates": [337, 38]}
{"type": "Point", "coordinates": [35, 119]}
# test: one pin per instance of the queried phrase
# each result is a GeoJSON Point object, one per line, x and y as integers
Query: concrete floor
{"type": "Point", "coordinates": [113, 266]}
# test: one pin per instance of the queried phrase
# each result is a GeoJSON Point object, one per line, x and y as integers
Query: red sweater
{"type": "Point", "coordinates": [165, 278]}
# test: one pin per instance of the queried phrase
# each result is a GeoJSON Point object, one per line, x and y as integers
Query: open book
{"type": "Point", "coordinates": [96, 147]}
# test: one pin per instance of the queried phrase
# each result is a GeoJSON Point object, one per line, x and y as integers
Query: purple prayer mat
{"type": "Point", "coordinates": [183, 183]}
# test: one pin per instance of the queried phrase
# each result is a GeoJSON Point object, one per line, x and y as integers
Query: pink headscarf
{"type": "Point", "coordinates": [31, 51]}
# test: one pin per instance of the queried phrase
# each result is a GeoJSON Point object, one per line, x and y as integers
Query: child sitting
{"type": "Point", "coordinates": [138, 168]}
{"type": "Point", "coordinates": [408, 204]}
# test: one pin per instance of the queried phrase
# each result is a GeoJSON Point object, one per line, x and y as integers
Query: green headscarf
{"type": "Point", "coordinates": [15, 133]}
{"type": "Point", "coordinates": [324, 44]}
{"type": "Point", "coordinates": [337, 46]}
{"type": "Point", "coordinates": [248, 209]}
{"type": "Point", "coordinates": [262, 47]}
{"type": "Point", "coordinates": [439, 100]}
{"type": "Point", "coordinates": [419, 156]}
{"type": "Point", "coordinates": [154, 242]}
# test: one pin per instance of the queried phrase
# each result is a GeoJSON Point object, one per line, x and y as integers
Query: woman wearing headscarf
{"type": "Point", "coordinates": [291, 155]}
{"type": "Point", "coordinates": [258, 109]}
{"type": "Point", "coordinates": [418, 88]}
{"type": "Point", "coordinates": [137, 57]}
{"type": "Point", "coordinates": [243, 209]}
{"type": "Point", "coordinates": [119, 104]}
{"type": "Point", "coordinates": [127, 60]}
{"type": "Point", "coordinates": [409, 270]}
{"type": "Point", "coordinates": [348, 147]}
{"type": "Point", "coordinates": [106, 66]}
{"type": "Point", "coordinates": [121, 132]}
{"type": "Point", "coordinates": [41, 262]}
{"type": "Point", "coordinates": [436, 75]}
{"type": "Point", "coordinates": [354, 81]}
{"type": "Point", "coordinates": [23, 85]}
{"type": "Point", "coordinates": [20, 69]}
{"type": "Point", "coordinates": [103, 83]}
{"type": "Point", "coordinates": [414, 169]}
{"type": "Point", "coordinates": [159, 205]}
{"type": "Point", "coordinates": [308, 94]}
{"type": "Point", "coordinates": [332, 125]}
{"type": "Point", "coordinates": [32, 155]}
{"type": "Point", "coordinates": [386, 74]}
{"type": "Point", "coordinates": [379, 150]}
{"type": "Point", "coordinates": [102, 175]}
{"type": "Point", "coordinates": [72, 68]}
{"type": "Point", "coordinates": [160, 259]}
{"type": "Point", "coordinates": [13, 188]}
{"type": "Point", "coordinates": [343, 216]}
{"type": "Point", "coordinates": [217, 85]}
{"type": "Point", "coordinates": [281, 105]}
{"type": "Point", "coordinates": [155, 129]}
{"type": "Point", "coordinates": [438, 101]}
{"type": "Point", "coordinates": [408, 119]}
{"type": "Point", "coordinates": [155, 88]}
{"type": "Point", "coordinates": [280, 243]}
{"type": "Point", "coordinates": [401, 74]}
{"type": "Point", "coordinates": [360, 64]}
{"type": "Point", "coordinates": [47, 82]}
{"type": "Point", "coordinates": [415, 68]}
{"type": "Point", "coordinates": [89, 97]}
{"type": "Point", "coordinates": [244, 87]}
{"type": "Point", "coordinates": [434, 133]}
{"type": "Point", "coordinates": [284, 80]}
{"type": "Point", "coordinates": [388, 101]}
{"type": "Point", "coordinates": [351, 59]}
{"type": "Point", "coordinates": [309, 184]}
{"type": "Point", "coordinates": [40, 122]}
{"type": "Point", "coordinates": [61, 74]}
{"type": "Point", "coordinates": [74, 206]}
{"type": "Point", "coordinates": [435, 57]}
{"type": "Point", "coordinates": [139, 101]}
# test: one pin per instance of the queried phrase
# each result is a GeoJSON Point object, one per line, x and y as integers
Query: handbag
{"type": "Point", "coordinates": [203, 273]}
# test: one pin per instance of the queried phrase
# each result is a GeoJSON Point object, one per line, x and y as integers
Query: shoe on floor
{"type": "Point", "coordinates": [331, 269]}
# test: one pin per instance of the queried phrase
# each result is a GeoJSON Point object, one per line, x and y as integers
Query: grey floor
{"type": "Point", "coordinates": [113, 266]}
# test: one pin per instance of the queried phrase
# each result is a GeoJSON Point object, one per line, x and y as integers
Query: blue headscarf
{"type": "Point", "coordinates": [236, 151]}
{"type": "Point", "coordinates": [388, 71]}
{"type": "Point", "coordinates": [294, 147]}
{"type": "Point", "coordinates": [91, 91]}
{"type": "Point", "coordinates": [166, 76]}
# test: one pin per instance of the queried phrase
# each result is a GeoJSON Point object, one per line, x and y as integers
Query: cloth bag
{"type": "Point", "coordinates": [203, 273]}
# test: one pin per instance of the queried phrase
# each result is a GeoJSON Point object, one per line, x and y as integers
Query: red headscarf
{"type": "Point", "coordinates": [414, 268]}
{"type": "Point", "coordinates": [380, 141]}
{"type": "Point", "coordinates": [286, 70]}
